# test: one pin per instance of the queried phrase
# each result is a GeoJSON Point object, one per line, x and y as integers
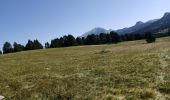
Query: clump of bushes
{"type": "Point", "coordinates": [148, 93]}
{"type": "Point", "coordinates": [142, 94]}
{"type": "Point", "coordinates": [164, 87]}
{"type": "Point", "coordinates": [104, 51]}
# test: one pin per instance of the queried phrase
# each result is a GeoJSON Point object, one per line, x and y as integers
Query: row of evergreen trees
{"type": "Point", "coordinates": [93, 39]}
{"type": "Point", "coordinates": [31, 45]}
{"type": "Point", "coordinates": [69, 40]}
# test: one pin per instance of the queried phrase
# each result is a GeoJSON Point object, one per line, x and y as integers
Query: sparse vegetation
{"type": "Point", "coordinates": [129, 70]}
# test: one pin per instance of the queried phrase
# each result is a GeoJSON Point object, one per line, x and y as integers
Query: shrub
{"type": "Point", "coordinates": [150, 38]}
{"type": "Point", "coordinates": [164, 87]}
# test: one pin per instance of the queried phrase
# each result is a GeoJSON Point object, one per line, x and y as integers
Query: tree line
{"type": "Point", "coordinates": [31, 45]}
{"type": "Point", "coordinates": [70, 40]}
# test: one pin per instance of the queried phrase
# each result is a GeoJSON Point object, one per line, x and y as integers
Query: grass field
{"type": "Point", "coordinates": [125, 71]}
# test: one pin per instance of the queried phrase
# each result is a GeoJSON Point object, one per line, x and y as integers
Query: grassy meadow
{"type": "Point", "coordinates": [131, 70]}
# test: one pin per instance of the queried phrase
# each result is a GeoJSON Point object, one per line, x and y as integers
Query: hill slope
{"type": "Point", "coordinates": [129, 70]}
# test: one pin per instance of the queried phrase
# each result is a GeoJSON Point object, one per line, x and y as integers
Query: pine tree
{"type": "Point", "coordinates": [169, 31]}
{"type": "Point", "coordinates": [102, 38]}
{"type": "Point", "coordinates": [79, 41]}
{"type": "Point", "coordinates": [47, 45]}
{"type": "Point", "coordinates": [37, 45]}
{"type": "Point", "coordinates": [150, 37]}
{"type": "Point", "coordinates": [92, 39]}
{"type": "Point", "coordinates": [7, 48]}
{"type": "Point", "coordinates": [18, 47]}
{"type": "Point", "coordinates": [137, 36]}
{"type": "Point", "coordinates": [69, 40]}
{"type": "Point", "coordinates": [55, 43]}
{"type": "Point", "coordinates": [61, 42]}
{"type": "Point", "coordinates": [115, 37]}
{"type": "Point", "coordinates": [29, 45]}
{"type": "Point", "coordinates": [108, 38]}
{"type": "Point", "coordinates": [122, 37]}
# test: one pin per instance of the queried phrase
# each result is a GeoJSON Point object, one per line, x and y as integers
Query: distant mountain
{"type": "Point", "coordinates": [155, 25]}
{"type": "Point", "coordinates": [96, 31]}
{"type": "Point", "coordinates": [158, 25]}
{"type": "Point", "coordinates": [136, 27]}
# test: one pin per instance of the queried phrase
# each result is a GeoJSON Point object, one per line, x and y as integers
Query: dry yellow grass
{"type": "Point", "coordinates": [126, 71]}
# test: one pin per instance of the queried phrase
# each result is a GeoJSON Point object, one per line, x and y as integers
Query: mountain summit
{"type": "Point", "coordinates": [139, 23]}
{"type": "Point", "coordinates": [166, 15]}
{"type": "Point", "coordinates": [149, 26]}
{"type": "Point", "coordinates": [96, 31]}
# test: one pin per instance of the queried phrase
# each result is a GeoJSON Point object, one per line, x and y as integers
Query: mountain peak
{"type": "Point", "coordinates": [167, 14]}
{"type": "Point", "coordinates": [98, 28]}
{"type": "Point", "coordinates": [96, 31]}
{"type": "Point", "coordinates": [139, 23]}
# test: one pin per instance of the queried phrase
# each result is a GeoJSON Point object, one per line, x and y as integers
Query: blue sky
{"type": "Point", "coordinates": [44, 20]}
